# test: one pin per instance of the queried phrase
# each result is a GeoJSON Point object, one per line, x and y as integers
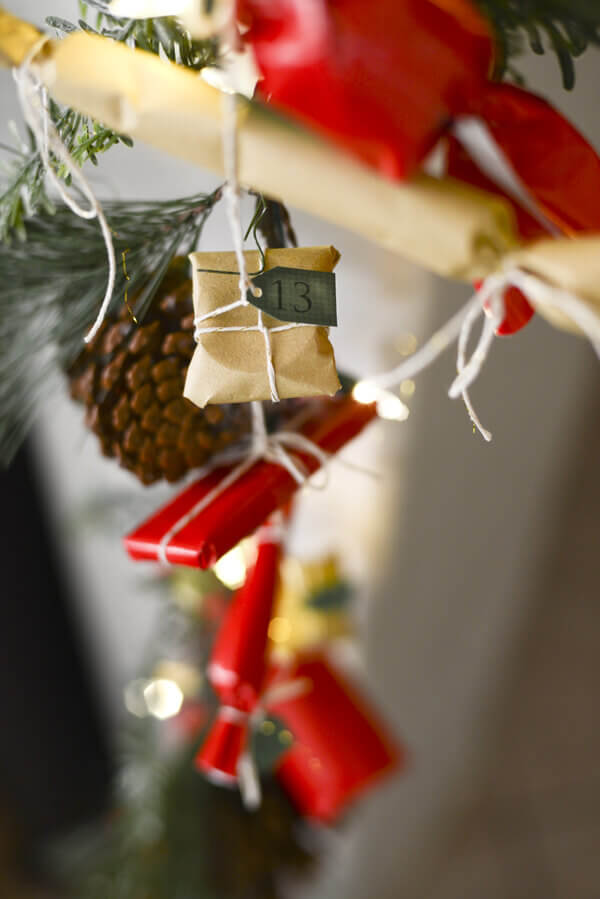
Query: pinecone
{"type": "Point", "coordinates": [131, 379]}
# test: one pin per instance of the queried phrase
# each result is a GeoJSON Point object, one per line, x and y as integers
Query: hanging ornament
{"type": "Point", "coordinates": [245, 354]}
{"type": "Point", "coordinates": [131, 379]}
{"type": "Point", "coordinates": [212, 515]}
{"type": "Point", "coordinates": [381, 79]}
{"type": "Point", "coordinates": [237, 664]}
{"type": "Point", "coordinates": [340, 745]}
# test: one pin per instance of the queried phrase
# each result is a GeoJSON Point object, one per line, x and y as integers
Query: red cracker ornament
{"type": "Point", "coordinates": [386, 80]}
{"type": "Point", "coordinates": [341, 746]}
{"type": "Point", "coordinates": [381, 79]}
{"type": "Point", "coordinates": [180, 535]}
{"type": "Point", "coordinates": [237, 664]}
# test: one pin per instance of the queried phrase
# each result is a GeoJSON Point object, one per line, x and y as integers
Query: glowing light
{"type": "Point", "coordinates": [187, 677]}
{"type": "Point", "coordinates": [406, 344]}
{"type": "Point", "coordinates": [389, 406]}
{"type": "Point", "coordinates": [392, 408]}
{"type": "Point", "coordinates": [163, 698]}
{"type": "Point", "coordinates": [267, 728]}
{"type": "Point", "coordinates": [286, 737]}
{"type": "Point", "coordinates": [407, 387]}
{"type": "Point", "coordinates": [231, 568]}
{"type": "Point", "coordinates": [133, 697]}
{"type": "Point", "coordinates": [280, 630]}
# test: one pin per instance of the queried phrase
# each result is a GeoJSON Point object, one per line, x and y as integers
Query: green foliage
{"type": "Point", "coordinates": [23, 191]}
{"type": "Point", "coordinates": [54, 283]}
{"type": "Point", "coordinates": [567, 26]}
{"type": "Point", "coordinates": [176, 836]}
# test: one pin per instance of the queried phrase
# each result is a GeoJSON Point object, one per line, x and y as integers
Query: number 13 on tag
{"type": "Point", "coordinates": [297, 295]}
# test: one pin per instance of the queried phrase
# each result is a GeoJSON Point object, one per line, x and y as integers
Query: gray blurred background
{"type": "Point", "coordinates": [480, 605]}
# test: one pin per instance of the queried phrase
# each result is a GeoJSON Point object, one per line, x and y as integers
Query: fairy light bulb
{"type": "Point", "coordinates": [231, 568]}
{"type": "Point", "coordinates": [389, 406]}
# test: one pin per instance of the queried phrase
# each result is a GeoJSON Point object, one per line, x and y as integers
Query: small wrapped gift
{"type": "Point", "coordinates": [230, 363]}
{"type": "Point", "coordinates": [211, 516]}
{"type": "Point", "coordinates": [341, 746]}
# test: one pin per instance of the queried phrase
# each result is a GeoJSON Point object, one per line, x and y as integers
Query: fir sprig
{"type": "Point", "coordinates": [53, 285]}
{"type": "Point", "coordinates": [23, 190]}
{"type": "Point", "coordinates": [567, 26]}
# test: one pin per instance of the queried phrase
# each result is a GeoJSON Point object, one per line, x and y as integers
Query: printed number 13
{"type": "Point", "coordinates": [302, 290]}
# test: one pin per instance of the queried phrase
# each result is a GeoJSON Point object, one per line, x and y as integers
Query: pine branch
{"type": "Point", "coordinates": [567, 26]}
{"type": "Point", "coordinates": [24, 192]}
{"type": "Point", "coordinates": [54, 283]}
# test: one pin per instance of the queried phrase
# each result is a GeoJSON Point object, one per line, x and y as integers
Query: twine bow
{"type": "Point", "coordinates": [247, 773]}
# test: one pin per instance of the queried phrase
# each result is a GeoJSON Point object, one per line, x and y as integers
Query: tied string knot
{"type": "Point", "coordinates": [231, 193]}
{"type": "Point", "coordinates": [489, 300]}
{"type": "Point", "coordinates": [246, 284]}
{"type": "Point", "coordinates": [270, 447]}
{"type": "Point", "coordinates": [247, 772]}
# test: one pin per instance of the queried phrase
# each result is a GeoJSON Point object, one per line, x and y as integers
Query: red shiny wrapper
{"type": "Point", "coordinates": [560, 169]}
{"type": "Point", "coordinates": [341, 747]}
{"type": "Point", "coordinates": [381, 79]}
{"type": "Point", "coordinates": [219, 755]}
{"type": "Point", "coordinates": [245, 504]}
{"type": "Point", "coordinates": [237, 663]}
{"type": "Point", "coordinates": [556, 164]}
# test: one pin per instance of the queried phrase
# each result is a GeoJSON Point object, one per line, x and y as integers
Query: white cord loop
{"type": "Point", "coordinates": [231, 193]}
{"type": "Point", "coordinates": [33, 99]}
{"type": "Point", "coordinates": [489, 299]}
{"type": "Point", "coordinates": [272, 448]}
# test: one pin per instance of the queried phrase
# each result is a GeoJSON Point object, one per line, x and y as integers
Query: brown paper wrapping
{"type": "Point", "coordinates": [450, 228]}
{"type": "Point", "coordinates": [572, 264]}
{"type": "Point", "coordinates": [231, 367]}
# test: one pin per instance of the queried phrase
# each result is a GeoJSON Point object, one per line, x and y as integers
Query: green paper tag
{"type": "Point", "coordinates": [297, 295]}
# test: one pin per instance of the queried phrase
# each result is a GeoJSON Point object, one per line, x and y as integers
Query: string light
{"type": "Point", "coordinates": [280, 630]}
{"type": "Point", "coordinates": [389, 406]}
{"type": "Point", "coordinates": [159, 697]}
{"type": "Point", "coordinates": [163, 698]}
{"type": "Point", "coordinates": [231, 568]}
{"type": "Point", "coordinates": [406, 344]}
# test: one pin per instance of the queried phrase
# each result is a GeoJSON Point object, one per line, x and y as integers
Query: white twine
{"type": "Point", "coordinates": [33, 98]}
{"type": "Point", "coordinates": [231, 193]}
{"type": "Point", "coordinates": [247, 770]}
{"type": "Point", "coordinates": [272, 448]}
{"type": "Point", "coordinates": [460, 326]}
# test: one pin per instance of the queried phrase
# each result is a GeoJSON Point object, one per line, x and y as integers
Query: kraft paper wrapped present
{"type": "Point", "coordinates": [231, 366]}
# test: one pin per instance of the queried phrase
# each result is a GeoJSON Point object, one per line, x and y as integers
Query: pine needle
{"type": "Point", "coordinates": [52, 286]}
